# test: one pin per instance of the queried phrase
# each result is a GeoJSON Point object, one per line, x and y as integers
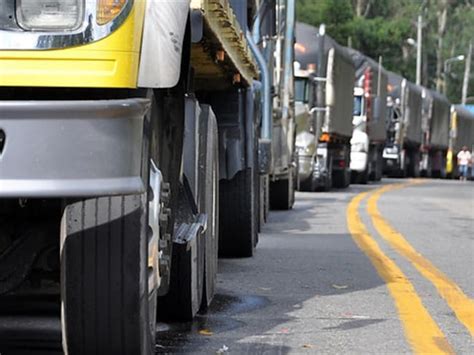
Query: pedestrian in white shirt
{"type": "Point", "coordinates": [464, 160]}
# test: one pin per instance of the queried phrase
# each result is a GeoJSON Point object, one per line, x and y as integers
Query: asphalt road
{"type": "Point", "coordinates": [375, 269]}
{"type": "Point", "coordinates": [342, 275]}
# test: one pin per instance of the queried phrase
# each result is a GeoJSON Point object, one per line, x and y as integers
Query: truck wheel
{"type": "Point", "coordinates": [209, 203]}
{"type": "Point", "coordinates": [414, 165]}
{"type": "Point", "coordinates": [237, 222]}
{"type": "Point", "coordinates": [266, 197]}
{"type": "Point", "coordinates": [338, 180]}
{"type": "Point", "coordinates": [282, 193]}
{"type": "Point", "coordinates": [379, 167]}
{"type": "Point", "coordinates": [362, 177]}
{"type": "Point", "coordinates": [341, 179]}
{"type": "Point", "coordinates": [261, 203]}
{"type": "Point", "coordinates": [307, 185]}
{"type": "Point", "coordinates": [107, 306]}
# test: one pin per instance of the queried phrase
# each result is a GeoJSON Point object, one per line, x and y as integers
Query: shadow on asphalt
{"type": "Point", "coordinates": [255, 296]}
{"type": "Point", "coordinates": [295, 261]}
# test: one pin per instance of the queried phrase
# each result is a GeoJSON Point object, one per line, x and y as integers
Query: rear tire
{"type": "Point", "coordinates": [282, 193]}
{"type": "Point", "coordinates": [237, 222]}
{"type": "Point", "coordinates": [360, 177]}
{"type": "Point", "coordinates": [307, 185]}
{"type": "Point", "coordinates": [414, 165]}
{"type": "Point", "coordinates": [105, 277]}
{"type": "Point", "coordinates": [341, 179]}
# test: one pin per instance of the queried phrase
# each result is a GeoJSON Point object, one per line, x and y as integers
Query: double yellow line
{"type": "Point", "coordinates": [422, 332]}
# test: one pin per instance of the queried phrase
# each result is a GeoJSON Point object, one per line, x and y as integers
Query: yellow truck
{"type": "Point", "coordinates": [131, 133]}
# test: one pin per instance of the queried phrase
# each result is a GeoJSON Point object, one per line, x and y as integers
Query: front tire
{"type": "Point", "coordinates": [106, 302]}
{"type": "Point", "coordinates": [282, 192]}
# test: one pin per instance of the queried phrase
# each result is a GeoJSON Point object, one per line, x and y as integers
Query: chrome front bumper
{"type": "Point", "coordinates": [71, 148]}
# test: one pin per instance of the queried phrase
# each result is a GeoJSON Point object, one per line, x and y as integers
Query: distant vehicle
{"type": "Point", "coordinates": [370, 105]}
{"type": "Point", "coordinates": [461, 134]}
{"type": "Point", "coordinates": [401, 153]}
{"type": "Point", "coordinates": [324, 83]}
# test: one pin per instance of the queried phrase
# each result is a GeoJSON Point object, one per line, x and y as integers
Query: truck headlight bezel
{"type": "Point", "coordinates": [47, 37]}
{"type": "Point", "coordinates": [46, 15]}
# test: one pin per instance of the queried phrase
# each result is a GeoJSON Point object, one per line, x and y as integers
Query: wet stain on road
{"type": "Point", "coordinates": [186, 336]}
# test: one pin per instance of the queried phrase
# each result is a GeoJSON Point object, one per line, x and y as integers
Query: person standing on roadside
{"type": "Point", "coordinates": [464, 159]}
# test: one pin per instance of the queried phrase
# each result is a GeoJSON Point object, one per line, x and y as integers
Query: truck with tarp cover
{"type": "Point", "coordinates": [369, 134]}
{"type": "Point", "coordinates": [435, 133]}
{"type": "Point", "coordinates": [461, 133]}
{"type": "Point", "coordinates": [401, 153]}
{"type": "Point", "coordinates": [325, 77]}
{"type": "Point", "coordinates": [274, 33]}
{"type": "Point", "coordinates": [142, 138]}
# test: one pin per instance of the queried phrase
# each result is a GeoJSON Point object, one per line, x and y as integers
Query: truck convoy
{"type": "Point", "coordinates": [137, 140]}
{"type": "Point", "coordinates": [324, 84]}
{"type": "Point", "coordinates": [401, 153]}
{"type": "Point", "coordinates": [370, 103]}
{"type": "Point", "coordinates": [435, 133]}
{"type": "Point", "coordinates": [141, 139]}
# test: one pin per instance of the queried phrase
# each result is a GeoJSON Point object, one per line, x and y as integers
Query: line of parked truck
{"type": "Point", "coordinates": [347, 102]}
{"type": "Point", "coordinates": [141, 139]}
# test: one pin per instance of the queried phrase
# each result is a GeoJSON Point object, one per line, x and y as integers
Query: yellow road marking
{"type": "Point", "coordinates": [460, 303]}
{"type": "Point", "coordinates": [422, 332]}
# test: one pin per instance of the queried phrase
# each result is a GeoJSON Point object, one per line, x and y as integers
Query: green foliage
{"type": "Point", "coordinates": [335, 14]}
{"type": "Point", "coordinates": [380, 37]}
{"type": "Point", "coordinates": [384, 26]}
{"type": "Point", "coordinates": [460, 33]}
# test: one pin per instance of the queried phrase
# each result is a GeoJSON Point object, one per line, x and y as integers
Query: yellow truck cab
{"type": "Point", "coordinates": [125, 127]}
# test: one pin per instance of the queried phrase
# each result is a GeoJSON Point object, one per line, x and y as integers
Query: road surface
{"type": "Point", "coordinates": [315, 287]}
{"type": "Point", "coordinates": [375, 269]}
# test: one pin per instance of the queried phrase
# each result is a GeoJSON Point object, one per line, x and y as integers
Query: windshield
{"type": "Point", "coordinates": [301, 90]}
{"type": "Point", "coordinates": [357, 106]}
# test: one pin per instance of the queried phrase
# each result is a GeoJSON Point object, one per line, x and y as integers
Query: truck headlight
{"type": "Point", "coordinates": [107, 10]}
{"type": "Point", "coordinates": [303, 150]}
{"type": "Point", "coordinates": [52, 15]}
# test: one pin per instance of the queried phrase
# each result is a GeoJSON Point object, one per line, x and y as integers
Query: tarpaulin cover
{"type": "Point", "coordinates": [336, 66]}
{"type": "Point", "coordinates": [411, 102]}
{"type": "Point", "coordinates": [440, 115]}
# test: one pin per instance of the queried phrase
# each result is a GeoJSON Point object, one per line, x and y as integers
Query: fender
{"type": "Point", "coordinates": [162, 45]}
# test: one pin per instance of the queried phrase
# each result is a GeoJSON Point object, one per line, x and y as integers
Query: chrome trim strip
{"type": "Point", "coordinates": [89, 32]}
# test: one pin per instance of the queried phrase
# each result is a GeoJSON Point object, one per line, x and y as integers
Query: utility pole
{"type": "Point", "coordinates": [467, 71]}
{"type": "Point", "coordinates": [419, 41]}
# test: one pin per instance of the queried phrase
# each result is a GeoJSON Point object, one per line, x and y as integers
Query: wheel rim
{"type": "Point", "coordinates": [153, 262]}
